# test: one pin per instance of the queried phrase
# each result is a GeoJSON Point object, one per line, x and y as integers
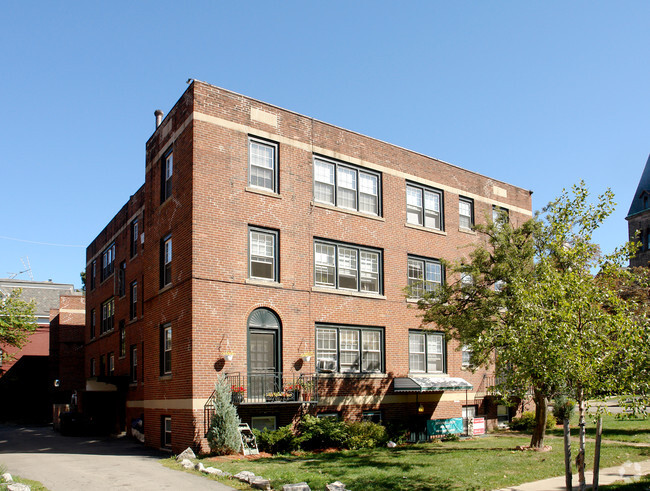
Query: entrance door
{"type": "Point", "coordinates": [263, 358]}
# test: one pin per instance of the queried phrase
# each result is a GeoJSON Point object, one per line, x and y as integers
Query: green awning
{"type": "Point", "coordinates": [430, 384]}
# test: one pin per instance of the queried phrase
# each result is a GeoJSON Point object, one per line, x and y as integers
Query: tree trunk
{"type": "Point", "coordinates": [599, 434]}
{"type": "Point", "coordinates": [580, 459]}
{"type": "Point", "coordinates": [568, 476]}
{"type": "Point", "coordinates": [541, 411]}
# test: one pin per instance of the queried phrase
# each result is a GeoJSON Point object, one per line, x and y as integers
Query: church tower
{"type": "Point", "coordinates": [638, 218]}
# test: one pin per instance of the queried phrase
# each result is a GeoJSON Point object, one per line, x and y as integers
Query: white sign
{"type": "Point", "coordinates": [479, 426]}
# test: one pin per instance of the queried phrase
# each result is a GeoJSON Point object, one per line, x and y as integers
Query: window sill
{"type": "Point", "coordinates": [345, 210]}
{"type": "Point", "coordinates": [320, 289]}
{"type": "Point", "coordinates": [267, 283]}
{"type": "Point", "coordinates": [168, 286]}
{"type": "Point", "coordinates": [429, 375]}
{"type": "Point", "coordinates": [352, 375]}
{"type": "Point", "coordinates": [467, 230]}
{"type": "Point", "coordinates": [425, 229]}
{"type": "Point", "coordinates": [167, 376]}
{"type": "Point", "coordinates": [132, 321]}
{"type": "Point", "coordinates": [264, 192]}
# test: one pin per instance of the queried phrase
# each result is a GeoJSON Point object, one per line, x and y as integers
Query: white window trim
{"type": "Point", "coordinates": [360, 273]}
{"type": "Point", "coordinates": [358, 171]}
{"type": "Point", "coordinates": [269, 144]}
{"type": "Point", "coordinates": [426, 352]}
{"type": "Point", "coordinates": [360, 347]}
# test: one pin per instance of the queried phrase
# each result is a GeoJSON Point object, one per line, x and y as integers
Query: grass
{"type": "Point", "coordinates": [642, 484]}
{"type": "Point", "coordinates": [34, 485]}
{"type": "Point", "coordinates": [635, 430]}
{"type": "Point", "coordinates": [485, 463]}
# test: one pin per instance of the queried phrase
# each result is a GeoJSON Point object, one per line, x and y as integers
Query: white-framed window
{"type": "Point", "coordinates": [134, 237]}
{"type": "Point", "coordinates": [133, 304]}
{"type": "Point", "coordinates": [466, 356]}
{"type": "Point", "coordinates": [346, 186]}
{"type": "Point", "coordinates": [166, 349]}
{"type": "Point", "coordinates": [349, 349]}
{"type": "Point", "coordinates": [167, 171]}
{"type": "Point", "coordinates": [262, 164]}
{"type": "Point", "coordinates": [334, 416]}
{"type": "Point", "coordinates": [499, 213]}
{"type": "Point", "coordinates": [134, 363]}
{"type": "Point", "coordinates": [424, 206]}
{"type": "Point", "coordinates": [372, 416]}
{"type": "Point", "coordinates": [347, 267]}
{"type": "Point", "coordinates": [166, 427]}
{"type": "Point", "coordinates": [93, 323]}
{"type": "Point", "coordinates": [108, 313]}
{"type": "Point", "coordinates": [122, 339]}
{"type": "Point", "coordinates": [427, 352]}
{"type": "Point", "coordinates": [166, 261]}
{"type": "Point", "coordinates": [262, 423]}
{"type": "Point", "coordinates": [93, 274]}
{"type": "Point", "coordinates": [424, 275]}
{"type": "Point", "coordinates": [465, 213]}
{"type": "Point", "coordinates": [111, 363]}
{"type": "Point", "coordinates": [263, 254]}
{"type": "Point", "coordinates": [108, 261]}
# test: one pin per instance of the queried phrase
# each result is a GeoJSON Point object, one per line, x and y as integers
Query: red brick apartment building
{"type": "Point", "coordinates": [261, 237]}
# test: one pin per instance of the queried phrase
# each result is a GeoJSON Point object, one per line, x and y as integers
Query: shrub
{"type": "Point", "coordinates": [563, 407]}
{"type": "Point", "coordinates": [551, 422]}
{"type": "Point", "coordinates": [398, 431]}
{"type": "Point", "coordinates": [365, 434]}
{"type": "Point", "coordinates": [223, 434]}
{"type": "Point", "coordinates": [451, 437]}
{"type": "Point", "coordinates": [526, 422]}
{"type": "Point", "coordinates": [282, 440]}
{"type": "Point", "coordinates": [322, 433]}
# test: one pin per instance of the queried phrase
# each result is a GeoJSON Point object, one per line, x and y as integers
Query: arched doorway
{"type": "Point", "coordinates": [264, 354]}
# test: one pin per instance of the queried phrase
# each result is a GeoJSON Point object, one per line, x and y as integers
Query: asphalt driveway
{"type": "Point", "coordinates": [81, 463]}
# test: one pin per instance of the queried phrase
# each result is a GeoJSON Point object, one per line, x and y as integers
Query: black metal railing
{"type": "Point", "coordinates": [267, 388]}
{"type": "Point", "coordinates": [273, 387]}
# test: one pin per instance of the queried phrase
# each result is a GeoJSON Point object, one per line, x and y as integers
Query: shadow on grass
{"type": "Point", "coordinates": [608, 433]}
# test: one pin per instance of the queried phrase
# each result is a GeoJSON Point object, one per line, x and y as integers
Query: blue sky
{"type": "Point", "coordinates": [537, 94]}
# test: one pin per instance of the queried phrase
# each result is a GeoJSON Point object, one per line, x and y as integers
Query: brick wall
{"type": "Point", "coordinates": [211, 296]}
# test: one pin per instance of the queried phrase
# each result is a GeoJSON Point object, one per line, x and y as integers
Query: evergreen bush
{"type": "Point", "coordinates": [563, 407]}
{"type": "Point", "coordinates": [223, 435]}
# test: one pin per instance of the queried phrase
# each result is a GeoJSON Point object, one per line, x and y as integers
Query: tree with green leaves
{"type": "Point", "coordinates": [536, 310]}
{"type": "Point", "coordinates": [17, 321]}
{"type": "Point", "coordinates": [223, 435]}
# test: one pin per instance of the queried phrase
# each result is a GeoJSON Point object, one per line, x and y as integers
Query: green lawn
{"type": "Point", "coordinates": [641, 485]}
{"type": "Point", "coordinates": [625, 430]}
{"type": "Point", "coordinates": [485, 463]}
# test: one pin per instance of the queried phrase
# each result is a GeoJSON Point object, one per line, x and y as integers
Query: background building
{"type": "Point", "coordinates": [638, 219]}
{"type": "Point", "coordinates": [24, 373]}
{"type": "Point", "coordinates": [275, 248]}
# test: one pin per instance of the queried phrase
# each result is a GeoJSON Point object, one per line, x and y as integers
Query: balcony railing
{"type": "Point", "coordinates": [273, 387]}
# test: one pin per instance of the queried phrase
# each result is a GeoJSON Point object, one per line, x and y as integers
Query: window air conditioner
{"type": "Point", "coordinates": [326, 365]}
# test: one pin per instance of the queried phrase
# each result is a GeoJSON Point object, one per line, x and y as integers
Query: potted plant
{"type": "Point", "coordinates": [306, 356]}
{"type": "Point", "coordinates": [238, 392]}
{"type": "Point", "coordinates": [228, 355]}
{"type": "Point", "coordinates": [293, 392]}
{"type": "Point", "coordinates": [307, 389]}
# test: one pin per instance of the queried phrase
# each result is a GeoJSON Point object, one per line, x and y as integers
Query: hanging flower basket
{"type": "Point", "coordinates": [228, 356]}
{"type": "Point", "coordinates": [306, 356]}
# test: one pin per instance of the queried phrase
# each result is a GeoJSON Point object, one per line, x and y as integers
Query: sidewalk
{"type": "Point", "coordinates": [627, 471]}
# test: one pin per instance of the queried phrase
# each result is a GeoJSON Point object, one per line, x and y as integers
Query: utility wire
{"type": "Point", "coordinates": [40, 243]}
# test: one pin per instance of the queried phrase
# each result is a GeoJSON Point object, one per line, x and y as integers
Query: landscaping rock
{"type": "Point", "coordinates": [188, 464]}
{"type": "Point", "coordinates": [391, 444]}
{"type": "Point", "coordinates": [336, 486]}
{"type": "Point", "coordinates": [16, 486]}
{"type": "Point", "coordinates": [212, 470]}
{"type": "Point", "coordinates": [200, 467]}
{"type": "Point", "coordinates": [186, 454]}
{"type": "Point", "coordinates": [245, 476]}
{"type": "Point", "coordinates": [260, 483]}
{"type": "Point", "coordinates": [301, 486]}
{"type": "Point", "coordinates": [6, 477]}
